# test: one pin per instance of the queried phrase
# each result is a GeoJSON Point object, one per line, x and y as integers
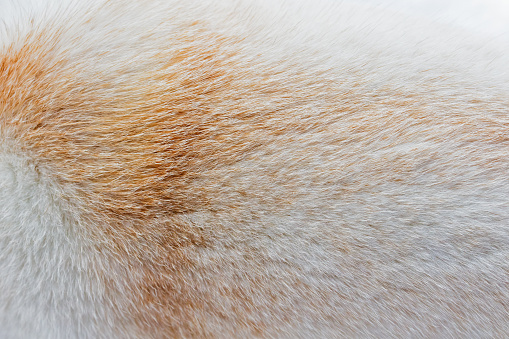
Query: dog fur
{"type": "Point", "coordinates": [243, 168]}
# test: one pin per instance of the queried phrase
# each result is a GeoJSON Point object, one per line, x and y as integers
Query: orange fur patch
{"type": "Point", "coordinates": [146, 151]}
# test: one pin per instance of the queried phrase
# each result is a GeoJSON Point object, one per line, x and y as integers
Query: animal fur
{"type": "Point", "coordinates": [237, 168]}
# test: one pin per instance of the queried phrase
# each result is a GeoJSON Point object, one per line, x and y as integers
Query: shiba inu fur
{"type": "Point", "coordinates": [237, 168]}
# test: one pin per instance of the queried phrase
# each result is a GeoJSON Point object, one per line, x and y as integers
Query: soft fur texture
{"type": "Point", "coordinates": [237, 168]}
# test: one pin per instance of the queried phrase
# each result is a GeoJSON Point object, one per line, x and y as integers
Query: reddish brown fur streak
{"type": "Point", "coordinates": [231, 172]}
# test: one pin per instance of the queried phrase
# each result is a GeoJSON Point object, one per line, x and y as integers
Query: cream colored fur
{"type": "Point", "coordinates": [244, 168]}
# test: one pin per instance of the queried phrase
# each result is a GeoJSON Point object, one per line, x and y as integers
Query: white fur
{"type": "Point", "coordinates": [381, 253]}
